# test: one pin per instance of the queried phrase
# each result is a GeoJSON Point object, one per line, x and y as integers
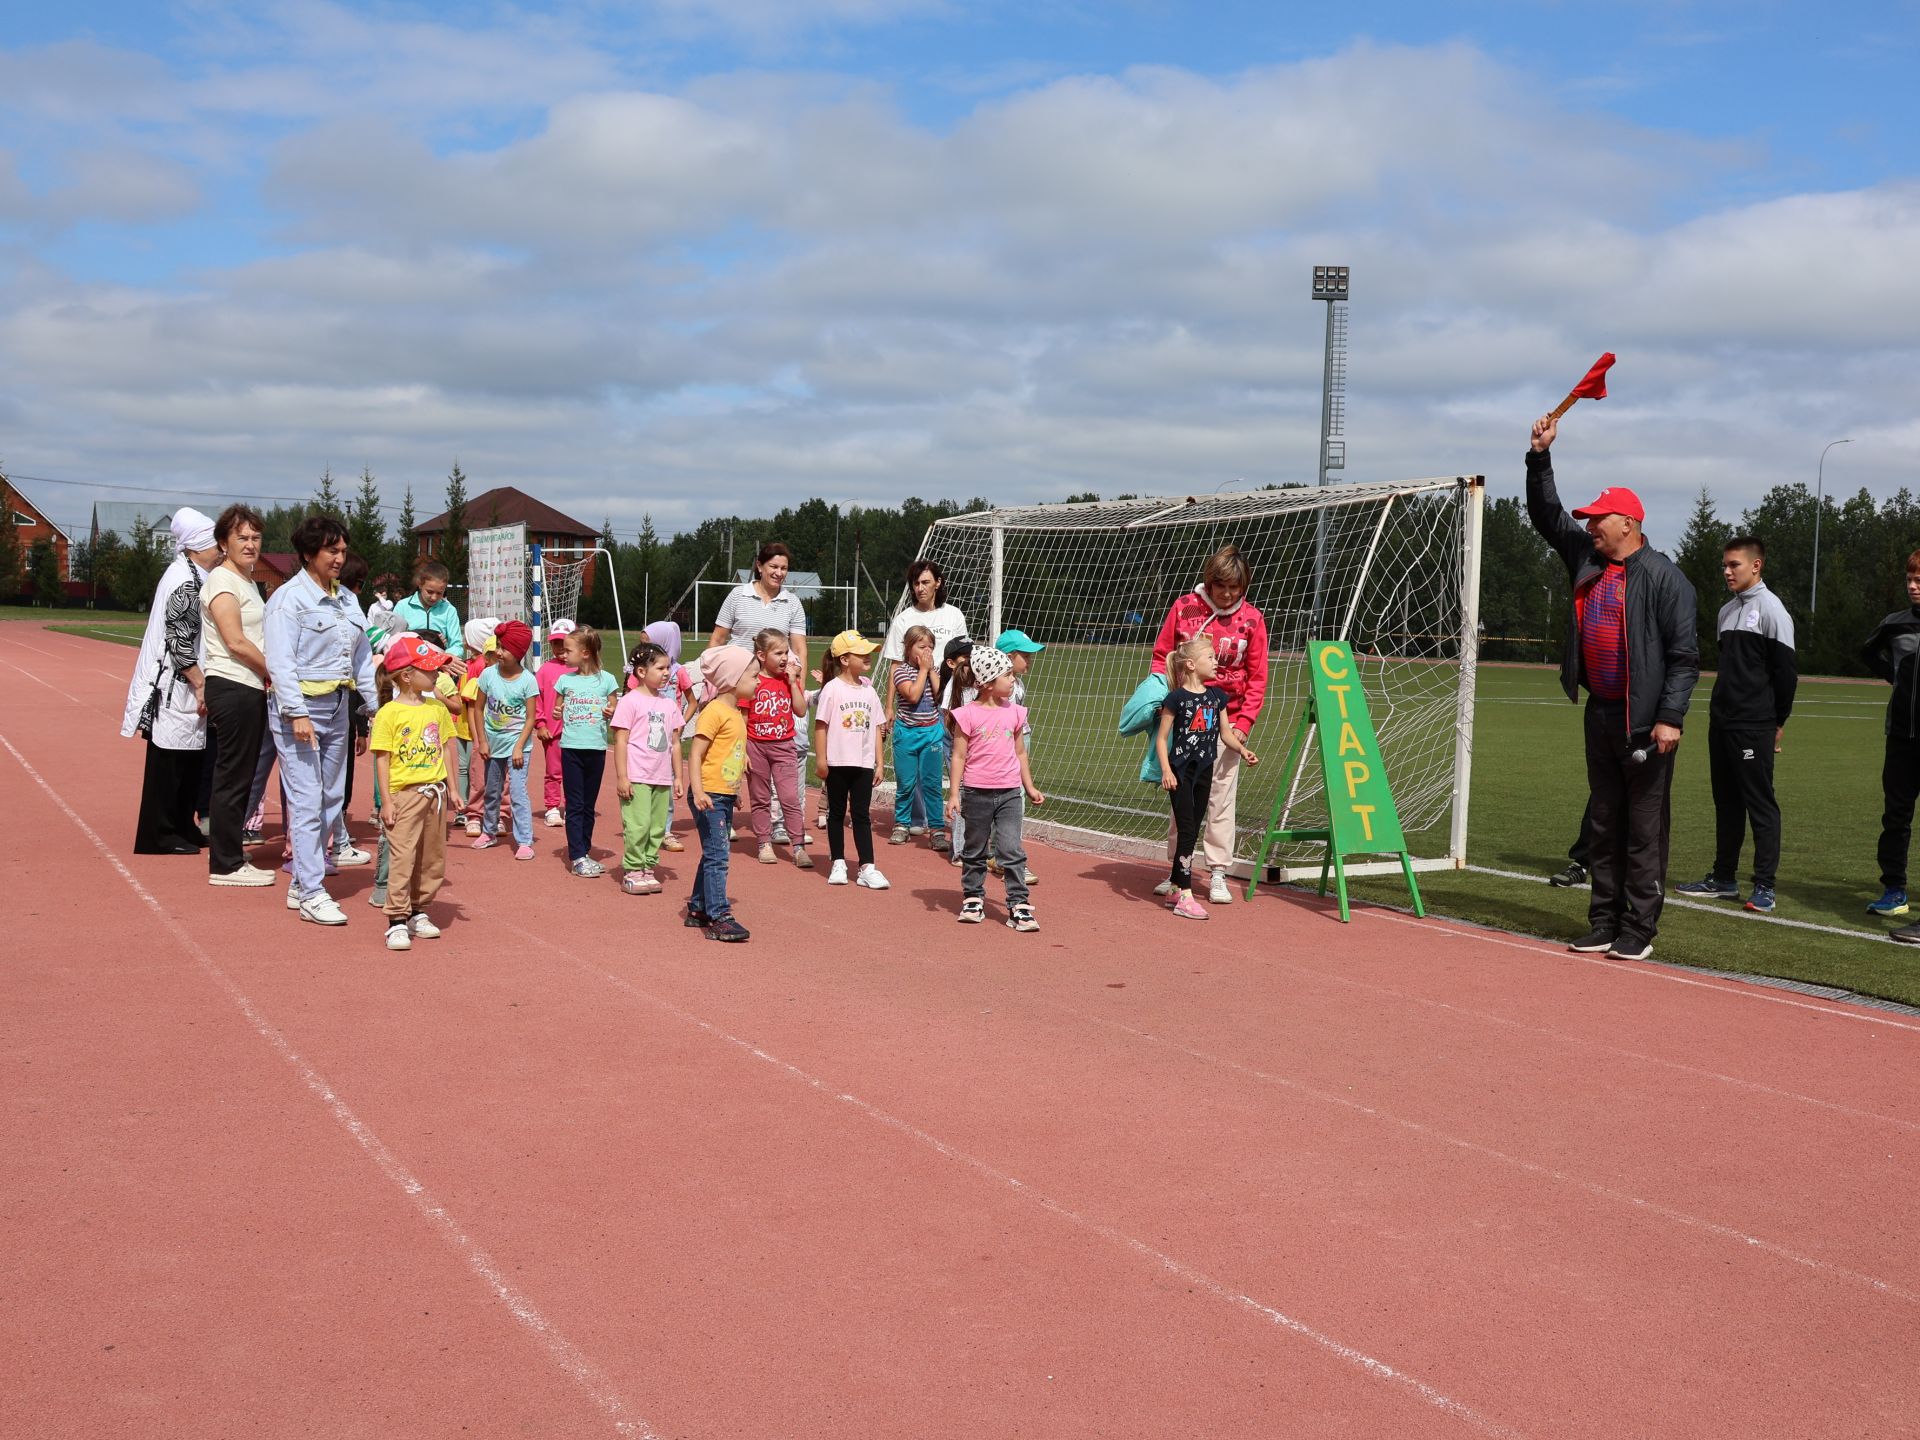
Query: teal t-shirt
{"type": "Point", "coordinates": [506, 701]}
{"type": "Point", "coordinates": [581, 702]}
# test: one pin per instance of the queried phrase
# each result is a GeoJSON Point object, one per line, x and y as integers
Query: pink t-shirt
{"type": "Point", "coordinates": [853, 715]}
{"type": "Point", "coordinates": [652, 723]}
{"type": "Point", "coordinates": [992, 761]}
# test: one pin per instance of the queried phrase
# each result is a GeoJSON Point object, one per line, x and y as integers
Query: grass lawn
{"type": "Point", "coordinates": [116, 631]}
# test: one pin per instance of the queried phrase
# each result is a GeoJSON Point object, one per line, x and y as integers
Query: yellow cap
{"type": "Point", "coordinates": [852, 642]}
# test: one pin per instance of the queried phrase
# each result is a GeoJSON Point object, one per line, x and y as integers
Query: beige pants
{"type": "Point", "coordinates": [1218, 838]}
{"type": "Point", "coordinates": [417, 847]}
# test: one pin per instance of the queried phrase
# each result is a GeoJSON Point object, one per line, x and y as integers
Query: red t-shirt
{"type": "Point", "coordinates": [771, 715]}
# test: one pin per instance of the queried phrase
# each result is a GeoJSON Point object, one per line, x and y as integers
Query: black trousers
{"type": "Point", "coordinates": [1632, 824]}
{"type": "Point", "coordinates": [850, 786]}
{"type": "Point", "coordinates": [167, 793]}
{"type": "Point", "coordinates": [1900, 785]}
{"type": "Point", "coordinates": [1741, 762]}
{"type": "Point", "coordinates": [1189, 796]}
{"type": "Point", "coordinates": [237, 719]}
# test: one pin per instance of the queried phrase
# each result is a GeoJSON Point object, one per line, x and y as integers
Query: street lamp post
{"type": "Point", "coordinates": [1819, 504]}
{"type": "Point", "coordinates": [1332, 284]}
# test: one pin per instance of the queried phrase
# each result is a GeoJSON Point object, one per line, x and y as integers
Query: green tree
{"type": "Point", "coordinates": [366, 531]}
{"type": "Point", "coordinates": [1523, 586]}
{"type": "Point", "coordinates": [138, 567]}
{"type": "Point", "coordinates": [406, 545]}
{"type": "Point", "coordinates": [326, 500]}
{"type": "Point", "coordinates": [43, 566]}
{"type": "Point", "coordinates": [1702, 545]}
{"type": "Point", "coordinates": [93, 563]}
{"type": "Point", "coordinates": [10, 557]}
{"type": "Point", "coordinates": [453, 540]}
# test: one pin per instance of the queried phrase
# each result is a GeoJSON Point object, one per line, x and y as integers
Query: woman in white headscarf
{"type": "Point", "coordinates": [166, 701]}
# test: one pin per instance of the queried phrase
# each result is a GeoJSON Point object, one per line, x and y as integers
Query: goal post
{"type": "Point", "coordinates": [1394, 568]}
{"type": "Point", "coordinates": [560, 577]}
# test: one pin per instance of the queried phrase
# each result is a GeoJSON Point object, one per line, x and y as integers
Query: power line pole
{"type": "Point", "coordinates": [1330, 283]}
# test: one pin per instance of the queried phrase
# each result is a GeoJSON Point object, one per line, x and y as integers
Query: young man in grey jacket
{"type": "Point", "coordinates": [1632, 647]}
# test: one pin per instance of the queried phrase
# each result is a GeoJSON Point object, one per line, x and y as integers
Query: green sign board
{"type": "Point", "coordinates": [1359, 804]}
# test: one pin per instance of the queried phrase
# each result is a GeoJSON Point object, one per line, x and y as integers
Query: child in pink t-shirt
{"type": "Point", "coordinates": [647, 771]}
{"type": "Point", "coordinates": [992, 770]}
{"type": "Point", "coordinates": [544, 723]}
{"type": "Point", "coordinates": [846, 753]}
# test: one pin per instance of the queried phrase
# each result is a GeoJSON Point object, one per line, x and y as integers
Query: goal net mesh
{"type": "Point", "coordinates": [1094, 581]}
{"type": "Point", "coordinates": [560, 585]}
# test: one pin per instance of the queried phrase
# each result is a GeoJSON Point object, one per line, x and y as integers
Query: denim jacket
{"type": "Point", "coordinates": [314, 636]}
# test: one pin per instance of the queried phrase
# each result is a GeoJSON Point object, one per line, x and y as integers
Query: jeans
{"type": "Point", "coordinates": [1632, 824]}
{"type": "Point", "coordinates": [580, 772]}
{"type": "Point", "coordinates": [503, 774]}
{"type": "Point", "coordinates": [1189, 812]}
{"type": "Point", "coordinates": [709, 896]}
{"type": "Point", "coordinates": [848, 786]}
{"type": "Point", "coordinates": [315, 780]}
{"type": "Point", "coordinates": [918, 759]}
{"type": "Point", "coordinates": [993, 826]}
{"type": "Point", "coordinates": [237, 713]}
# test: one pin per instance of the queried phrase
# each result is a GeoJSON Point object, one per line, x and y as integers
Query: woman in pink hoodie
{"type": "Point", "coordinates": [1218, 608]}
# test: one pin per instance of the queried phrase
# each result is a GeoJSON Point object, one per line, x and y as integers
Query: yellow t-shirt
{"type": "Point", "coordinates": [413, 735]}
{"type": "Point", "coordinates": [726, 757]}
{"type": "Point", "coordinates": [449, 695]}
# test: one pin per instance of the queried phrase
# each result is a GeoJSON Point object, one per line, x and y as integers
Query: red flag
{"type": "Point", "coordinates": [1594, 386]}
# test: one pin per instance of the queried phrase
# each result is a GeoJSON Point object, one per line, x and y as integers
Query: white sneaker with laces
{"type": "Point", "coordinates": [1217, 892]}
{"type": "Point", "coordinates": [422, 928]}
{"type": "Point", "coordinates": [293, 895]}
{"type": "Point", "coordinates": [350, 854]}
{"type": "Point", "coordinates": [871, 878]}
{"type": "Point", "coordinates": [555, 818]}
{"type": "Point", "coordinates": [1165, 887]}
{"type": "Point", "coordinates": [837, 875]}
{"type": "Point", "coordinates": [246, 875]}
{"type": "Point", "coordinates": [321, 910]}
{"type": "Point", "coordinates": [398, 938]}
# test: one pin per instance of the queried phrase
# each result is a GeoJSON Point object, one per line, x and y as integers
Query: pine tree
{"type": "Point", "coordinates": [366, 531]}
{"type": "Point", "coordinates": [453, 540]}
{"type": "Point", "coordinates": [10, 557]}
{"type": "Point", "coordinates": [44, 568]}
{"type": "Point", "coordinates": [406, 545]}
{"type": "Point", "coordinates": [1702, 547]}
{"type": "Point", "coordinates": [326, 500]}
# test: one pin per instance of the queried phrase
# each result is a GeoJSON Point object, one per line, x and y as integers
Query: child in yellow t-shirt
{"type": "Point", "coordinates": [718, 764]}
{"type": "Point", "coordinates": [410, 741]}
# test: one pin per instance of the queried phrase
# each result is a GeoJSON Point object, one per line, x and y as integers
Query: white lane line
{"type": "Point", "coordinates": [1705, 907]}
{"type": "Point", "coordinates": [586, 1375]}
{"type": "Point", "coordinates": [1620, 967]}
{"type": "Point", "coordinates": [1199, 1279]}
{"type": "Point", "coordinates": [38, 681]}
{"type": "Point", "coordinates": [1530, 1167]}
{"type": "Point", "coordinates": [1567, 1038]}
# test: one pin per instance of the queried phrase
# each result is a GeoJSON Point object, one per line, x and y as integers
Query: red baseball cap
{"type": "Point", "coordinates": [411, 651]}
{"type": "Point", "coordinates": [1614, 500]}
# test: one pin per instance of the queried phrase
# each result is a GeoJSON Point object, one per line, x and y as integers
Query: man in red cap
{"type": "Point", "coordinates": [1632, 646]}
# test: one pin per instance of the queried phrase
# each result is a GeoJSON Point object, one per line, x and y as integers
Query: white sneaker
{"type": "Point", "coordinates": [398, 938]}
{"type": "Point", "coordinates": [837, 875]}
{"type": "Point", "coordinates": [245, 875]}
{"type": "Point", "coordinates": [423, 928]}
{"type": "Point", "coordinates": [349, 854]}
{"type": "Point", "coordinates": [1217, 892]}
{"type": "Point", "coordinates": [293, 895]}
{"type": "Point", "coordinates": [1165, 887]}
{"type": "Point", "coordinates": [555, 818]}
{"type": "Point", "coordinates": [871, 878]}
{"type": "Point", "coordinates": [321, 910]}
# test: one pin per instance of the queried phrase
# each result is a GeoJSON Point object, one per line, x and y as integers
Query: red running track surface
{"type": "Point", "coordinates": [572, 1170]}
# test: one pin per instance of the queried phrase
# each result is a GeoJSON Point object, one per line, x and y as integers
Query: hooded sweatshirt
{"type": "Point", "coordinates": [1239, 636]}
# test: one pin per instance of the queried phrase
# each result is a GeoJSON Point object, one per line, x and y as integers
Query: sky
{"type": "Point", "coordinates": [685, 258]}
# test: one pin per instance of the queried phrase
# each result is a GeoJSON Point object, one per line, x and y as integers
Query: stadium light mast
{"type": "Point", "coordinates": [1330, 283]}
{"type": "Point", "coordinates": [1819, 504]}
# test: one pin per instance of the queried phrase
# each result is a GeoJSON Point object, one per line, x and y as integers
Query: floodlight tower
{"type": "Point", "coordinates": [1330, 284]}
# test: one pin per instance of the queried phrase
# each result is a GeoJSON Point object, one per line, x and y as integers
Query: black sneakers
{"type": "Point", "coordinates": [1566, 879]}
{"type": "Point", "coordinates": [1630, 947]}
{"type": "Point", "coordinates": [1595, 942]}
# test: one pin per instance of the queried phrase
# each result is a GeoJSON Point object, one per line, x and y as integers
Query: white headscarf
{"type": "Point", "coordinates": [191, 530]}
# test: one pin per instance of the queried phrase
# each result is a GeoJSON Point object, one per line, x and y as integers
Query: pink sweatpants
{"type": "Point", "coordinates": [556, 796]}
{"type": "Point", "coordinates": [774, 764]}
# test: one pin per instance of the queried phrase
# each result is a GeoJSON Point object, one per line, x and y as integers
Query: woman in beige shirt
{"type": "Point", "coordinates": [236, 676]}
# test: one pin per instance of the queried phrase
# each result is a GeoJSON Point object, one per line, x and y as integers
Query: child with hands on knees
{"type": "Point", "coordinates": [993, 774]}
{"type": "Point", "coordinates": [583, 703]}
{"type": "Point", "coordinates": [411, 743]}
{"type": "Point", "coordinates": [508, 697]}
{"type": "Point", "coordinates": [773, 761]}
{"type": "Point", "coordinates": [717, 765]}
{"type": "Point", "coordinates": [846, 749]}
{"type": "Point", "coordinates": [1189, 736]}
{"type": "Point", "coordinates": [647, 773]}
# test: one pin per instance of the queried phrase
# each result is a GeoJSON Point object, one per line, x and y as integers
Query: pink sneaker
{"type": "Point", "coordinates": [485, 842]}
{"type": "Point", "coordinates": [525, 852]}
{"type": "Point", "coordinates": [1188, 908]}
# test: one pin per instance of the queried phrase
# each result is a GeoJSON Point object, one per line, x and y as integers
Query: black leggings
{"type": "Point", "coordinates": [1189, 797]}
{"type": "Point", "coordinates": [847, 785]}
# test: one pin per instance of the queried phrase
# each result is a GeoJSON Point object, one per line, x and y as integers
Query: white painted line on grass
{"type": "Point", "coordinates": [586, 1375]}
{"type": "Point", "coordinates": [1531, 1167]}
{"type": "Point", "coordinates": [1199, 1279]}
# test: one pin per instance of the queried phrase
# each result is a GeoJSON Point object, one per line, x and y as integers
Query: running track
{"type": "Point", "coordinates": [571, 1171]}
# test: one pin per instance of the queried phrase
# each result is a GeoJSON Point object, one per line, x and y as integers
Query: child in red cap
{"type": "Point", "coordinates": [410, 740]}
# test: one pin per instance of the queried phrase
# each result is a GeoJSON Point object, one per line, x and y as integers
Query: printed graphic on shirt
{"type": "Point", "coordinates": [771, 717]}
{"type": "Point", "coordinates": [1195, 735]}
{"type": "Point", "coordinates": [853, 719]}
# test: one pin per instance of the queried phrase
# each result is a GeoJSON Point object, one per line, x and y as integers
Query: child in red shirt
{"type": "Point", "coordinates": [773, 762]}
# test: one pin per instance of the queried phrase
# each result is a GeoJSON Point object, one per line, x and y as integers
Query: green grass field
{"type": "Point", "coordinates": [1528, 789]}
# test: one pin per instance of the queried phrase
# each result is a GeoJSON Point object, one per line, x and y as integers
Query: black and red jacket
{"type": "Point", "coordinates": [1663, 650]}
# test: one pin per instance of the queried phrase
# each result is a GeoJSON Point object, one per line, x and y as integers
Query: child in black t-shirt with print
{"type": "Point", "coordinates": [1189, 737]}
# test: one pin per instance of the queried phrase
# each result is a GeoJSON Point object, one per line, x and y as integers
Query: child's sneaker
{"type": "Point", "coordinates": [632, 884]}
{"type": "Point", "coordinates": [554, 818]}
{"type": "Point", "coordinates": [1021, 918]}
{"type": "Point", "coordinates": [940, 841]}
{"type": "Point", "coordinates": [524, 852]}
{"type": "Point", "coordinates": [899, 835]}
{"type": "Point", "coordinates": [1761, 900]}
{"type": "Point", "coordinates": [346, 853]}
{"type": "Point", "coordinates": [500, 826]}
{"type": "Point", "coordinates": [837, 875]}
{"type": "Point", "coordinates": [917, 829]}
{"type": "Point", "coordinates": [1892, 902]}
{"type": "Point", "coordinates": [728, 931]}
{"type": "Point", "coordinates": [1217, 892]}
{"type": "Point", "coordinates": [1032, 879]}
{"type": "Point", "coordinates": [672, 842]}
{"type": "Point", "coordinates": [587, 868]}
{"type": "Point", "coordinates": [377, 897]}
{"type": "Point", "coordinates": [779, 833]}
{"type": "Point", "coordinates": [801, 859]}
{"type": "Point", "coordinates": [1708, 888]}
{"type": "Point", "coordinates": [251, 835]}
{"type": "Point", "coordinates": [972, 910]}
{"type": "Point", "coordinates": [871, 878]}
{"type": "Point", "coordinates": [473, 827]}
{"type": "Point", "coordinates": [397, 936]}
{"type": "Point", "coordinates": [1188, 908]}
{"type": "Point", "coordinates": [422, 927]}
{"type": "Point", "coordinates": [1165, 887]}
{"type": "Point", "coordinates": [485, 842]}
{"type": "Point", "coordinates": [766, 856]}
{"type": "Point", "coordinates": [650, 883]}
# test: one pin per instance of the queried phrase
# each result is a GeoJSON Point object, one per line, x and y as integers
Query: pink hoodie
{"type": "Point", "coordinates": [1239, 640]}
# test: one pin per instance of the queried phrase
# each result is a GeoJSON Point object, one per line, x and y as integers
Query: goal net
{"type": "Point", "coordinates": [1392, 568]}
{"type": "Point", "coordinates": [561, 579]}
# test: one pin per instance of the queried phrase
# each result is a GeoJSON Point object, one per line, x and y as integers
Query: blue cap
{"type": "Point", "coordinates": [1016, 642]}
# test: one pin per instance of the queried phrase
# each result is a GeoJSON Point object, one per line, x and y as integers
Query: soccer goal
{"type": "Point", "coordinates": [1391, 568]}
{"type": "Point", "coordinates": [559, 577]}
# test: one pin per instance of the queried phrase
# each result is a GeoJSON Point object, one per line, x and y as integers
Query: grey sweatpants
{"type": "Point", "coordinates": [992, 827]}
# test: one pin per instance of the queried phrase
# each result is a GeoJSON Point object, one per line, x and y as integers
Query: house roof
{"type": "Point", "coordinates": [25, 504]}
{"type": "Point", "coordinates": [505, 505]}
{"type": "Point", "coordinates": [122, 516]}
{"type": "Point", "coordinates": [284, 562]}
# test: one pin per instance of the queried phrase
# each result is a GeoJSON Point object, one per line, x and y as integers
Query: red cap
{"type": "Point", "coordinates": [411, 651]}
{"type": "Point", "coordinates": [1614, 500]}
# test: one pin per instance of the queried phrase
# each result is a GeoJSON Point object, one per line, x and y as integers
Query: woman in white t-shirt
{"type": "Point", "coordinates": [234, 641]}
{"type": "Point", "coordinates": [927, 590]}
